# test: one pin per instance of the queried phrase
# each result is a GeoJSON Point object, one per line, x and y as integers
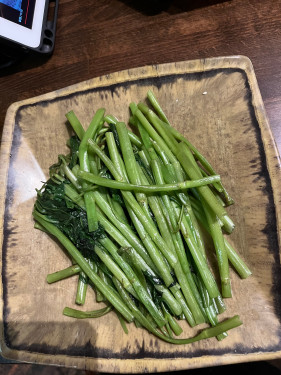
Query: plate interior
{"type": "Point", "coordinates": [214, 110]}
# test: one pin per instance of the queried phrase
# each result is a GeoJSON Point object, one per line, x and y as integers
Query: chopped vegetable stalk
{"type": "Point", "coordinates": [78, 314]}
{"type": "Point", "coordinates": [63, 274]}
{"type": "Point", "coordinates": [85, 166]}
{"type": "Point", "coordinates": [81, 261]}
{"type": "Point", "coordinates": [140, 188]}
{"type": "Point", "coordinates": [129, 211]}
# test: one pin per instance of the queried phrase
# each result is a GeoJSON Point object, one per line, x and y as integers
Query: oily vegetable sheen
{"type": "Point", "coordinates": [134, 210]}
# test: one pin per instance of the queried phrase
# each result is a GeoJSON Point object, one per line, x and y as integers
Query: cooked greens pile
{"type": "Point", "coordinates": [134, 214]}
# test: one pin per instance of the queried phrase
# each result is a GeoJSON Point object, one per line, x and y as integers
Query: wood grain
{"type": "Point", "coordinates": [232, 126]}
{"type": "Point", "coordinates": [100, 37]}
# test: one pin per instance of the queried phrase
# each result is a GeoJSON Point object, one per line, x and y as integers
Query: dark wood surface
{"type": "Point", "coordinates": [242, 369]}
{"type": "Point", "coordinates": [99, 37]}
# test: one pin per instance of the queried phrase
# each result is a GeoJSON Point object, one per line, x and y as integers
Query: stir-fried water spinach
{"type": "Point", "coordinates": [133, 212]}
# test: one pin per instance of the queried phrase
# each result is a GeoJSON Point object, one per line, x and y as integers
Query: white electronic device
{"type": "Point", "coordinates": [26, 24]}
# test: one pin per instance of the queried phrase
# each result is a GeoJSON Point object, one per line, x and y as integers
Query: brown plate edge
{"type": "Point", "coordinates": [273, 165]}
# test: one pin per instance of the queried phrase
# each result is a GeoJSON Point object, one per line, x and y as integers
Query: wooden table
{"type": "Point", "coordinates": [99, 37]}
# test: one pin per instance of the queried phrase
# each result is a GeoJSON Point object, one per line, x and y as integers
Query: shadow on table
{"type": "Point", "coordinates": [153, 7]}
{"type": "Point", "coordinates": [76, 340]}
{"type": "Point", "coordinates": [20, 62]}
{"type": "Point", "coordinates": [59, 343]}
{"type": "Point", "coordinates": [246, 368]}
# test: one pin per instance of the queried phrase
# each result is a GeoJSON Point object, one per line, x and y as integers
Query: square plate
{"type": "Point", "coordinates": [217, 104]}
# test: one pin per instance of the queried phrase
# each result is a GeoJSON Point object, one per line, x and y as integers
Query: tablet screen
{"type": "Point", "coordinates": [20, 12]}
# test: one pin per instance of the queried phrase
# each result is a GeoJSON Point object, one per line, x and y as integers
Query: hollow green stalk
{"type": "Point", "coordinates": [167, 237]}
{"type": "Point", "coordinates": [70, 175]}
{"type": "Point", "coordinates": [125, 229]}
{"type": "Point", "coordinates": [200, 261]}
{"type": "Point", "coordinates": [154, 135]}
{"type": "Point", "coordinates": [154, 234]}
{"type": "Point", "coordinates": [139, 289]}
{"type": "Point", "coordinates": [115, 270]}
{"type": "Point", "coordinates": [188, 163]}
{"type": "Point", "coordinates": [119, 211]}
{"type": "Point", "coordinates": [206, 333]}
{"type": "Point", "coordinates": [82, 262]}
{"type": "Point", "coordinates": [131, 165]}
{"type": "Point", "coordinates": [155, 254]}
{"type": "Point", "coordinates": [204, 162]}
{"type": "Point", "coordinates": [140, 188]}
{"type": "Point", "coordinates": [164, 291]}
{"type": "Point", "coordinates": [178, 244]}
{"type": "Point", "coordinates": [85, 166]}
{"type": "Point", "coordinates": [63, 274]}
{"type": "Point", "coordinates": [154, 203]}
{"type": "Point", "coordinates": [82, 287]}
{"type": "Point", "coordinates": [78, 314]}
{"type": "Point", "coordinates": [210, 306]}
{"type": "Point", "coordinates": [155, 104]}
{"type": "Point", "coordinates": [74, 196]}
{"type": "Point", "coordinates": [139, 212]}
{"type": "Point", "coordinates": [122, 240]}
{"type": "Point", "coordinates": [76, 125]}
{"type": "Point", "coordinates": [165, 149]}
{"type": "Point", "coordinates": [157, 124]}
{"type": "Point", "coordinates": [238, 264]}
{"type": "Point", "coordinates": [172, 321]}
{"type": "Point", "coordinates": [133, 137]}
{"type": "Point", "coordinates": [122, 322]}
{"type": "Point", "coordinates": [218, 240]}
{"type": "Point", "coordinates": [99, 296]}
{"type": "Point", "coordinates": [178, 136]}
{"type": "Point", "coordinates": [137, 215]}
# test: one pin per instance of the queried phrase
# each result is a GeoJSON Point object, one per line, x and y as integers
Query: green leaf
{"type": "Point", "coordinates": [68, 217]}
